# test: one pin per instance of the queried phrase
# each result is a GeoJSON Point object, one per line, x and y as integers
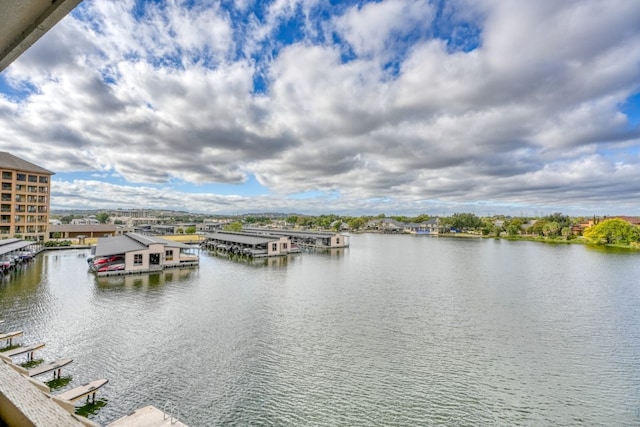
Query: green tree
{"type": "Point", "coordinates": [68, 218]}
{"type": "Point", "coordinates": [190, 230]}
{"type": "Point", "coordinates": [234, 226]}
{"type": "Point", "coordinates": [538, 227]}
{"type": "Point", "coordinates": [421, 218]}
{"type": "Point", "coordinates": [612, 231]}
{"type": "Point", "coordinates": [356, 223]}
{"type": "Point", "coordinates": [562, 220]}
{"type": "Point", "coordinates": [103, 217]}
{"type": "Point", "coordinates": [513, 230]}
{"type": "Point", "coordinates": [291, 220]}
{"type": "Point", "coordinates": [551, 229]}
{"type": "Point", "coordinates": [465, 221]}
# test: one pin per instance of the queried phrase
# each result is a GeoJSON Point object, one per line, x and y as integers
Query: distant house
{"type": "Point", "coordinates": [85, 221]}
{"type": "Point", "coordinates": [385, 225]}
{"type": "Point", "coordinates": [633, 220]}
{"type": "Point", "coordinates": [431, 226]}
{"type": "Point", "coordinates": [578, 229]}
{"type": "Point", "coordinates": [434, 225]}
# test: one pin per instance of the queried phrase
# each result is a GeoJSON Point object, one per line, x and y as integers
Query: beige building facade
{"type": "Point", "coordinates": [25, 199]}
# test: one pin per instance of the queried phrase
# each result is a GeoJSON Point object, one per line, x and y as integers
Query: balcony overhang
{"type": "Point", "coordinates": [22, 23]}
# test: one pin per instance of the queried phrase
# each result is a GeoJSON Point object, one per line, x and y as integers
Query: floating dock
{"type": "Point", "coordinates": [306, 239]}
{"type": "Point", "coordinates": [9, 336]}
{"type": "Point", "coordinates": [249, 244]}
{"type": "Point", "coordinates": [149, 416]}
{"type": "Point", "coordinates": [134, 253]}
{"type": "Point", "coordinates": [30, 349]}
{"type": "Point", "coordinates": [89, 390]}
{"type": "Point", "coordinates": [53, 366]}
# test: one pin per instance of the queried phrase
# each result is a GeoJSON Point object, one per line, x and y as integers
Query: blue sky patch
{"type": "Point", "coordinates": [631, 108]}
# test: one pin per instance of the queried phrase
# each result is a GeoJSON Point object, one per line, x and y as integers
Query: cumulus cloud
{"type": "Point", "coordinates": [373, 107]}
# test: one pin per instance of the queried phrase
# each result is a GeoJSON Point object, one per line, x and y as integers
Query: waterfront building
{"type": "Point", "coordinates": [138, 253]}
{"type": "Point", "coordinates": [430, 226]}
{"type": "Point", "coordinates": [249, 244]}
{"type": "Point", "coordinates": [75, 231]}
{"type": "Point", "coordinates": [306, 239]}
{"type": "Point", "coordinates": [25, 198]}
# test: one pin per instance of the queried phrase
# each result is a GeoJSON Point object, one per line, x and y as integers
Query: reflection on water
{"type": "Point", "coordinates": [393, 331]}
{"type": "Point", "coordinates": [279, 261]}
{"type": "Point", "coordinates": [144, 281]}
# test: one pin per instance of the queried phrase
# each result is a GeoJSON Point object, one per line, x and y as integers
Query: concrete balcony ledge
{"type": "Point", "coordinates": [24, 403]}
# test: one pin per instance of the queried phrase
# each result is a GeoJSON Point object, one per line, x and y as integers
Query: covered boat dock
{"type": "Point", "coordinates": [138, 253]}
{"type": "Point", "coordinates": [249, 244]}
{"type": "Point", "coordinates": [16, 251]}
{"type": "Point", "coordinates": [307, 239]}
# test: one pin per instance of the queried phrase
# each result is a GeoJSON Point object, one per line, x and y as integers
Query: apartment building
{"type": "Point", "coordinates": [24, 198]}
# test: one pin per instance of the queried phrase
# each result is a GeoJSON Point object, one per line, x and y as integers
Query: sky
{"type": "Point", "coordinates": [400, 107]}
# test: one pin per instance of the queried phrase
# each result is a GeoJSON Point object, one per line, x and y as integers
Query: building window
{"type": "Point", "coordinates": [44, 180]}
{"type": "Point", "coordinates": [21, 177]}
{"type": "Point", "coordinates": [19, 187]}
{"type": "Point", "coordinates": [284, 246]}
{"type": "Point", "coordinates": [32, 189]}
{"type": "Point", "coordinates": [137, 259]}
{"type": "Point", "coordinates": [33, 178]}
{"type": "Point", "coordinates": [338, 241]}
{"type": "Point", "coordinates": [7, 175]}
{"type": "Point", "coordinates": [168, 255]}
{"type": "Point", "coordinates": [274, 246]}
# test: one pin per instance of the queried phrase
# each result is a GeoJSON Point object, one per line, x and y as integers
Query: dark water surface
{"type": "Point", "coordinates": [394, 331]}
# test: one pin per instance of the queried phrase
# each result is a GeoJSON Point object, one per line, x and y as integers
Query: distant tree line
{"type": "Point", "coordinates": [556, 226]}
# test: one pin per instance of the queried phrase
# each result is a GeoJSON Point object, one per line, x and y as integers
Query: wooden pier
{"type": "Point", "coordinates": [29, 350]}
{"type": "Point", "coordinates": [149, 416]}
{"type": "Point", "coordinates": [89, 390]}
{"type": "Point", "coordinates": [29, 402]}
{"type": "Point", "coordinates": [56, 367]}
{"type": "Point", "coordinates": [9, 336]}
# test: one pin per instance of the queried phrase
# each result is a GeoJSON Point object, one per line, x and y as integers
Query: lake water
{"type": "Point", "coordinates": [393, 331]}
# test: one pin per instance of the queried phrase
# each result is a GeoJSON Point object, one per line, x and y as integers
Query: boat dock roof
{"type": "Point", "coordinates": [131, 242]}
{"type": "Point", "coordinates": [10, 245]}
{"type": "Point", "coordinates": [283, 232]}
{"type": "Point", "coordinates": [241, 238]}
